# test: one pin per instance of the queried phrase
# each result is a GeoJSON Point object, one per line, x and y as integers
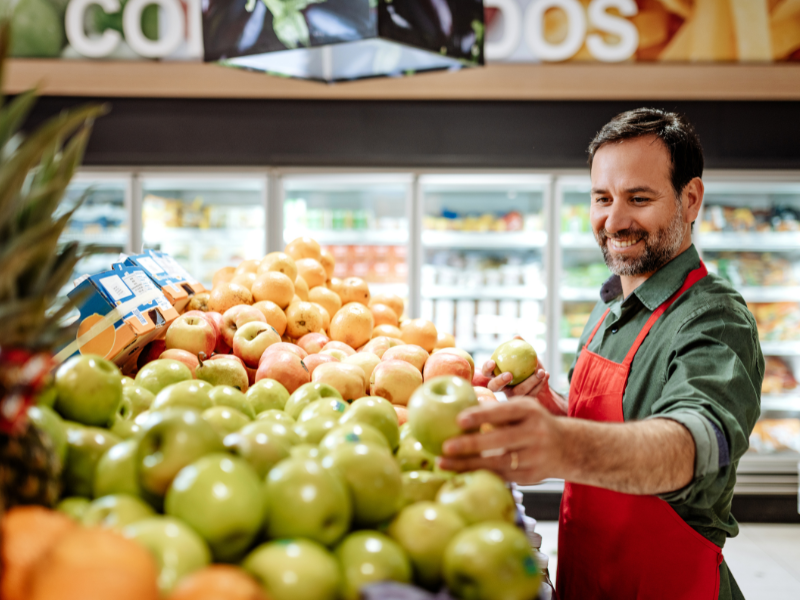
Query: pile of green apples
{"type": "Point", "coordinates": [313, 496]}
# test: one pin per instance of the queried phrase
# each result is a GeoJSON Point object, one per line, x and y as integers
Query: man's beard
{"type": "Point", "coordinates": [660, 247]}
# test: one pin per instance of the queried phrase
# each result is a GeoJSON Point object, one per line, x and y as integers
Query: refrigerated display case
{"type": "Point", "coordinates": [484, 248]}
{"type": "Point", "coordinates": [205, 222]}
{"type": "Point", "coordinates": [362, 219]}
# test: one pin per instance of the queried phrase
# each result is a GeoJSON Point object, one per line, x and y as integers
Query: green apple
{"type": "Point", "coordinates": [116, 471]}
{"type": "Point", "coordinates": [225, 371]}
{"type": "Point", "coordinates": [295, 570]}
{"type": "Point", "coordinates": [225, 420]}
{"type": "Point", "coordinates": [517, 357]}
{"type": "Point", "coordinates": [261, 450]}
{"type": "Point", "coordinates": [419, 486]}
{"type": "Point", "coordinates": [373, 477]}
{"type": "Point", "coordinates": [225, 395]}
{"type": "Point", "coordinates": [267, 394]}
{"type": "Point", "coordinates": [89, 390]}
{"type": "Point", "coordinates": [127, 380]}
{"type": "Point", "coordinates": [47, 421]}
{"type": "Point", "coordinates": [85, 447]}
{"type": "Point", "coordinates": [434, 407]}
{"type": "Point", "coordinates": [135, 400]}
{"type": "Point", "coordinates": [116, 512]}
{"type": "Point", "coordinates": [491, 561]}
{"type": "Point", "coordinates": [272, 428]}
{"type": "Point", "coordinates": [305, 451]}
{"type": "Point", "coordinates": [324, 407]}
{"type": "Point", "coordinates": [191, 394]}
{"type": "Point", "coordinates": [125, 430]}
{"type": "Point", "coordinates": [411, 456]}
{"type": "Point", "coordinates": [405, 431]}
{"type": "Point", "coordinates": [370, 557]}
{"type": "Point", "coordinates": [377, 412]}
{"type": "Point", "coordinates": [178, 550]}
{"type": "Point", "coordinates": [170, 440]}
{"type": "Point", "coordinates": [478, 496]}
{"type": "Point", "coordinates": [304, 499]}
{"type": "Point", "coordinates": [48, 395]}
{"type": "Point", "coordinates": [220, 497]}
{"type": "Point", "coordinates": [276, 415]}
{"type": "Point", "coordinates": [312, 431]}
{"type": "Point", "coordinates": [308, 393]}
{"type": "Point", "coordinates": [424, 530]}
{"type": "Point", "coordinates": [353, 433]}
{"type": "Point", "coordinates": [74, 507]}
{"type": "Point", "coordinates": [158, 374]}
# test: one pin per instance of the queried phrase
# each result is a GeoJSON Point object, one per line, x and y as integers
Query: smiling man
{"type": "Point", "coordinates": [664, 392]}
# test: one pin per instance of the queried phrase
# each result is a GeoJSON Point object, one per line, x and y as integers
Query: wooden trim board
{"type": "Point", "coordinates": [506, 81]}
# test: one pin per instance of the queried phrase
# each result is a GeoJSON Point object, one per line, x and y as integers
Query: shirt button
{"type": "Point", "coordinates": [615, 330]}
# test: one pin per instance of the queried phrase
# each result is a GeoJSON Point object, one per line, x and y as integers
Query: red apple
{"type": "Point", "coordinates": [313, 342]}
{"type": "Point", "coordinates": [485, 394]}
{"type": "Point", "coordinates": [193, 334]}
{"type": "Point", "coordinates": [235, 317]}
{"type": "Point", "coordinates": [284, 367]}
{"type": "Point", "coordinates": [252, 339]}
{"type": "Point", "coordinates": [228, 357]}
{"type": "Point", "coordinates": [339, 355]}
{"type": "Point", "coordinates": [395, 380]}
{"type": "Point", "coordinates": [339, 346]}
{"type": "Point", "coordinates": [462, 353]}
{"type": "Point", "coordinates": [187, 358]}
{"type": "Point", "coordinates": [446, 364]}
{"type": "Point", "coordinates": [348, 379]}
{"type": "Point", "coordinates": [312, 361]}
{"type": "Point", "coordinates": [402, 414]}
{"type": "Point", "coordinates": [284, 347]}
{"type": "Point", "coordinates": [207, 317]}
{"type": "Point", "coordinates": [151, 352]}
{"type": "Point", "coordinates": [378, 346]}
{"type": "Point", "coordinates": [480, 380]}
{"type": "Point", "coordinates": [411, 353]}
{"type": "Point", "coordinates": [251, 374]}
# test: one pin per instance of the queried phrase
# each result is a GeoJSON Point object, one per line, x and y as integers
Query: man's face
{"type": "Point", "coordinates": [636, 219]}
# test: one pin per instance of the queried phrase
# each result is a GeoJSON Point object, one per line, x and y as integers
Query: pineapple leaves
{"type": "Point", "coordinates": [12, 118]}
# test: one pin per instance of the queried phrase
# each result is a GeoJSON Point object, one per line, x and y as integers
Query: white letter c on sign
{"type": "Point", "coordinates": [73, 23]}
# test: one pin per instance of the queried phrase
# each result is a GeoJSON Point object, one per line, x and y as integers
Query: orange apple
{"type": "Point", "coordinates": [352, 324]}
{"type": "Point", "coordinates": [347, 379]}
{"type": "Point", "coordinates": [227, 295]}
{"type": "Point", "coordinates": [275, 287]}
{"type": "Point", "coordinates": [247, 266]}
{"type": "Point", "coordinates": [366, 360]}
{"type": "Point", "coordinates": [312, 361]}
{"type": "Point", "coordinates": [326, 317]}
{"type": "Point", "coordinates": [391, 300]}
{"type": "Point", "coordinates": [251, 339]}
{"type": "Point", "coordinates": [273, 314]}
{"type": "Point", "coordinates": [411, 353]}
{"type": "Point", "coordinates": [303, 247]}
{"type": "Point", "coordinates": [334, 345]}
{"type": "Point", "coordinates": [313, 342]}
{"type": "Point", "coordinates": [445, 340]}
{"type": "Point", "coordinates": [313, 272]}
{"type": "Point", "coordinates": [193, 334]}
{"type": "Point", "coordinates": [463, 354]}
{"type": "Point", "coordinates": [187, 358]}
{"type": "Point", "coordinates": [284, 367]}
{"type": "Point", "coordinates": [199, 302]}
{"type": "Point", "coordinates": [301, 288]}
{"type": "Point", "coordinates": [444, 363]}
{"type": "Point", "coordinates": [329, 300]}
{"type": "Point", "coordinates": [280, 262]}
{"type": "Point", "coordinates": [387, 331]}
{"type": "Point", "coordinates": [235, 317]}
{"type": "Point", "coordinates": [223, 275]}
{"type": "Point", "coordinates": [383, 314]}
{"type": "Point", "coordinates": [420, 332]}
{"type": "Point", "coordinates": [245, 279]}
{"type": "Point", "coordinates": [327, 261]}
{"type": "Point", "coordinates": [302, 318]}
{"type": "Point", "coordinates": [334, 284]}
{"type": "Point", "coordinates": [284, 347]}
{"type": "Point", "coordinates": [354, 289]}
{"type": "Point", "coordinates": [395, 380]}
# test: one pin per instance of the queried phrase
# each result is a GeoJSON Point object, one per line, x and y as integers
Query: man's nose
{"type": "Point", "coordinates": [618, 217]}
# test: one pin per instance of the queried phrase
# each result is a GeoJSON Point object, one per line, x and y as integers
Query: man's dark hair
{"type": "Point", "coordinates": [672, 129]}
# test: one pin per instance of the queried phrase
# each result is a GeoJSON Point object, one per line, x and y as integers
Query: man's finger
{"type": "Point", "coordinates": [488, 369]}
{"type": "Point", "coordinates": [500, 382]}
{"type": "Point", "coordinates": [504, 438]}
{"type": "Point", "coordinates": [499, 413]}
{"type": "Point", "coordinates": [526, 387]}
{"type": "Point", "coordinates": [498, 464]}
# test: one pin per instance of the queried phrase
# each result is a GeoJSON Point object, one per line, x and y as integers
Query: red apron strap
{"type": "Point", "coordinates": [596, 327]}
{"type": "Point", "coordinates": [693, 277]}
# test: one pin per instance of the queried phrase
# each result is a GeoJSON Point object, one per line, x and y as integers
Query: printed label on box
{"type": "Point", "coordinates": [116, 287]}
{"type": "Point", "coordinates": [137, 313]}
{"type": "Point", "coordinates": [138, 282]}
{"type": "Point", "coordinates": [150, 265]}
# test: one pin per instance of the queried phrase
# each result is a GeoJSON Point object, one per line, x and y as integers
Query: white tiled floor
{"type": "Point", "coordinates": [764, 559]}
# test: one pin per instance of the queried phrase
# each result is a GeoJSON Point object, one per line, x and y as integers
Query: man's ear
{"type": "Point", "coordinates": [692, 199]}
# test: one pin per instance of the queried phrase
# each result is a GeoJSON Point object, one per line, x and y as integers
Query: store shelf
{"type": "Point", "coordinates": [778, 241]}
{"type": "Point", "coordinates": [781, 402]}
{"type": "Point", "coordinates": [770, 294]}
{"type": "Point", "coordinates": [780, 348]}
{"type": "Point", "coordinates": [487, 293]}
{"type": "Point", "coordinates": [398, 289]}
{"type": "Point", "coordinates": [578, 241]}
{"type": "Point", "coordinates": [487, 239]}
{"type": "Point", "coordinates": [350, 237]}
{"type": "Point", "coordinates": [228, 236]}
{"type": "Point", "coordinates": [574, 294]}
{"type": "Point", "coordinates": [110, 238]}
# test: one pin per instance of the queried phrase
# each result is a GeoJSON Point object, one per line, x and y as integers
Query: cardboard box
{"type": "Point", "coordinates": [124, 310]}
{"type": "Point", "coordinates": [177, 284]}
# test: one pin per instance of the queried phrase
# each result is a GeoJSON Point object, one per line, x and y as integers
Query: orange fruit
{"type": "Point", "coordinates": [388, 331]}
{"type": "Point", "coordinates": [28, 532]}
{"type": "Point", "coordinates": [279, 261]}
{"type": "Point", "coordinates": [445, 340]}
{"type": "Point", "coordinates": [354, 289]}
{"type": "Point", "coordinates": [420, 332]}
{"type": "Point", "coordinates": [275, 287]}
{"type": "Point", "coordinates": [383, 315]}
{"type": "Point", "coordinates": [274, 315]}
{"type": "Point", "coordinates": [227, 295]}
{"type": "Point", "coordinates": [248, 266]}
{"type": "Point", "coordinates": [216, 582]}
{"type": "Point", "coordinates": [302, 318]}
{"type": "Point", "coordinates": [313, 273]}
{"type": "Point", "coordinates": [352, 324]}
{"type": "Point", "coordinates": [334, 284]}
{"type": "Point", "coordinates": [223, 275]}
{"type": "Point", "coordinates": [301, 288]}
{"type": "Point", "coordinates": [303, 247]}
{"type": "Point", "coordinates": [329, 300]}
{"type": "Point", "coordinates": [395, 302]}
{"type": "Point", "coordinates": [328, 263]}
{"type": "Point", "coordinates": [326, 316]}
{"type": "Point", "coordinates": [245, 279]}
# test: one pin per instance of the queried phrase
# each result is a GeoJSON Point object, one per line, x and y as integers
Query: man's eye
{"type": "Point", "coordinates": [601, 200]}
{"type": "Point", "coordinates": [640, 200]}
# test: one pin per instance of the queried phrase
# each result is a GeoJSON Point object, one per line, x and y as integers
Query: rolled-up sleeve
{"type": "Point", "coordinates": [712, 386]}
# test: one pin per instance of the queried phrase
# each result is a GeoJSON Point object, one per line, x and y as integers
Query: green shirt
{"type": "Point", "coordinates": [701, 365]}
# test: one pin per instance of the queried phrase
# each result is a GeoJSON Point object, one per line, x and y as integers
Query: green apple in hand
{"type": "Point", "coordinates": [324, 407]}
{"type": "Point", "coordinates": [116, 471]}
{"type": "Point", "coordinates": [478, 496]}
{"type": "Point", "coordinates": [89, 390]}
{"type": "Point", "coordinates": [304, 499]}
{"type": "Point", "coordinates": [419, 486]}
{"type": "Point", "coordinates": [377, 412]}
{"type": "Point", "coordinates": [116, 512]}
{"type": "Point", "coordinates": [411, 456]}
{"type": "Point", "coordinates": [424, 530]}
{"type": "Point", "coordinates": [313, 430]}
{"type": "Point", "coordinates": [225, 420]}
{"type": "Point", "coordinates": [225, 395]}
{"type": "Point", "coordinates": [191, 394]}
{"type": "Point", "coordinates": [85, 448]}
{"type": "Point", "coordinates": [308, 393]}
{"type": "Point", "coordinates": [295, 570]}
{"type": "Point", "coordinates": [170, 440]}
{"type": "Point", "coordinates": [158, 374]}
{"type": "Point", "coordinates": [261, 450]}
{"type": "Point", "coordinates": [517, 357]}
{"type": "Point", "coordinates": [267, 394]}
{"type": "Point", "coordinates": [370, 557]}
{"type": "Point", "coordinates": [434, 407]}
{"type": "Point", "coordinates": [74, 507]}
{"type": "Point", "coordinates": [353, 433]}
{"type": "Point", "coordinates": [220, 497]}
{"type": "Point", "coordinates": [47, 421]}
{"type": "Point", "coordinates": [491, 561]}
{"type": "Point", "coordinates": [276, 415]}
{"type": "Point", "coordinates": [373, 477]}
{"type": "Point", "coordinates": [178, 550]}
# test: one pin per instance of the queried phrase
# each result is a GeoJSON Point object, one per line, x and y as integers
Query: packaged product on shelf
{"type": "Point", "coordinates": [777, 321]}
{"type": "Point", "coordinates": [450, 220]}
{"type": "Point", "coordinates": [778, 377]}
{"type": "Point", "coordinates": [723, 218]}
{"type": "Point", "coordinates": [755, 269]}
{"type": "Point", "coordinates": [775, 435]}
{"type": "Point", "coordinates": [173, 280]}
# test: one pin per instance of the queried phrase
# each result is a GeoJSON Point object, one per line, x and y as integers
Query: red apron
{"type": "Point", "coordinates": [622, 546]}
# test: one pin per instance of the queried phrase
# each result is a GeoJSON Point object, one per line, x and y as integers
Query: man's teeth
{"type": "Point", "coordinates": [623, 243]}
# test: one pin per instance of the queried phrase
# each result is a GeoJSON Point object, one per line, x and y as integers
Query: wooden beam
{"type": "Point", "coordinates": [500, 81]}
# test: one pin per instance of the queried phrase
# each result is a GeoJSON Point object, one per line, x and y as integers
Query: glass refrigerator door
{"type": "Point", "coordinates": [205, 223]}
{"type": "Point", "coordinates": [483, 274]}
{"type": "Point", "coordinates": [583, 272]}
{"type": "Point", "coordinates": [361, 219]}
{"type": "Point", "coordinates": [749, 233]}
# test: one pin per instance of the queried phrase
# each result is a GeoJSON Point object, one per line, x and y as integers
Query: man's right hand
{"type": "Point", "coordinates": [536, 386]}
